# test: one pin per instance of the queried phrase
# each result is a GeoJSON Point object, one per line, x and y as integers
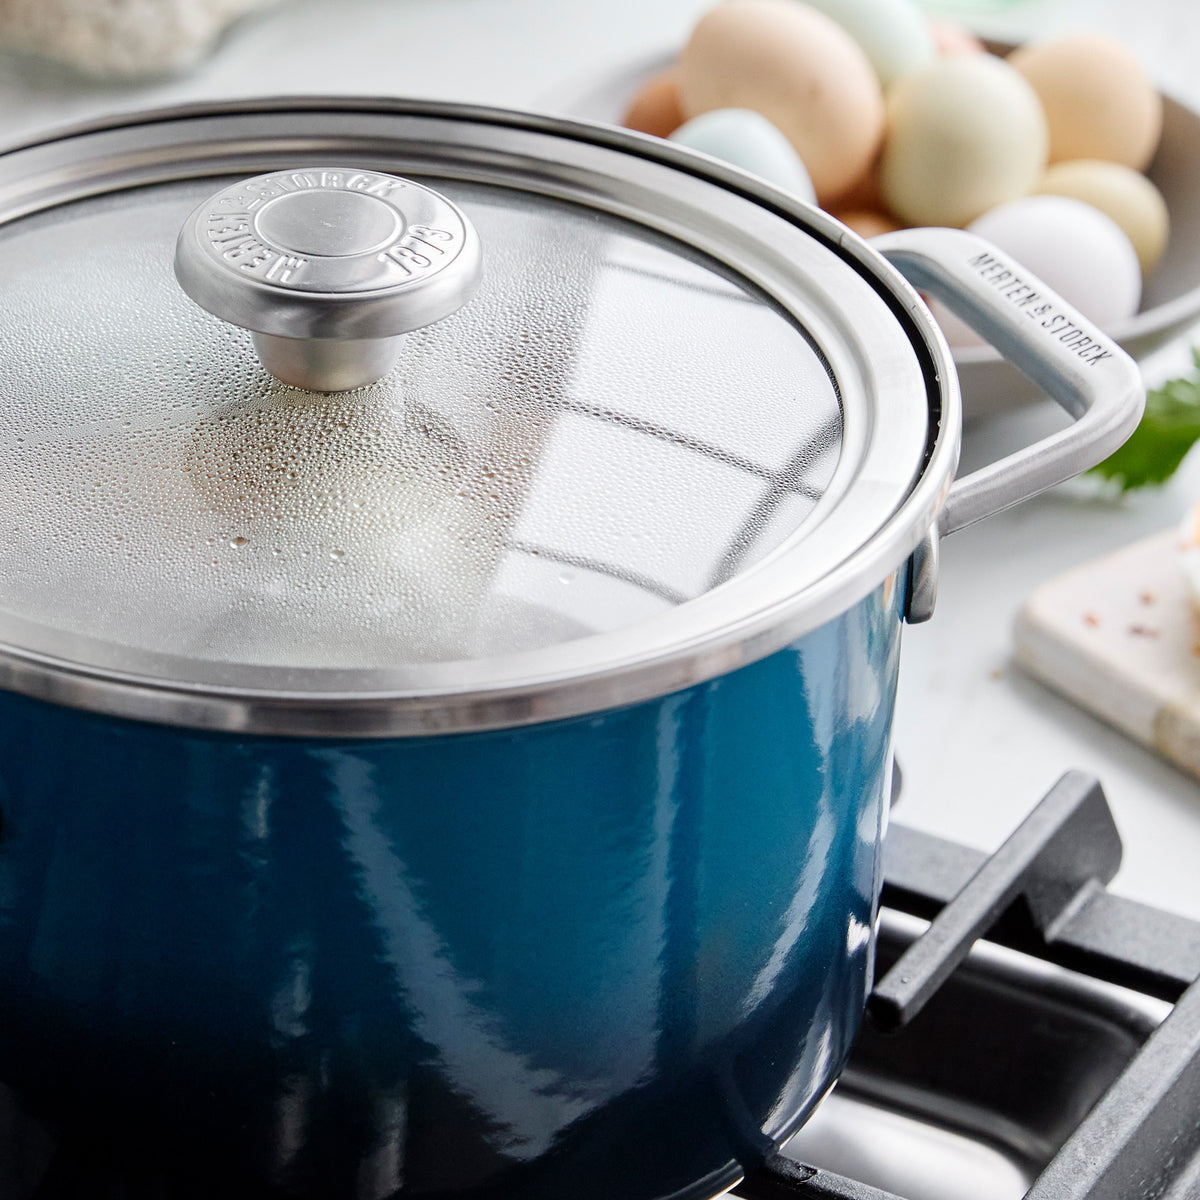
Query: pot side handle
{"type": "Point", "coordinates": [1042, 336]}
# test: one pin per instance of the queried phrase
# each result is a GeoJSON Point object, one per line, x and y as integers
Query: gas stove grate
{"type": "Point", "coordinates": [1043, 894]}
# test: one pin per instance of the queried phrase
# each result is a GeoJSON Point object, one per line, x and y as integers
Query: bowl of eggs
{"type": "Point", "coordinates": [1063, 153]}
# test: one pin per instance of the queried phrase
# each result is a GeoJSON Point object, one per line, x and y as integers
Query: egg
{"type": "Point", "coordinates": [1098, 99]}
{"type": "Point", "coordinates": [867, 223]}
{"type": "Point", "coordinates": [655, 107]}
{"type": "Point", "coordinates": [866, 193]}
{"type": "Point", "coordinates": [894, 34]}
{"type": "Point", "coordinates": [954, 39]}
{"type": "Point", "coordinates": [1071, 247]}
{"type": "Point", "coordinates": [1121, 193]}
{"type": "Point", "coordinates": [748, 140]}
{"type": "Point", "coordinates": [964, 135]}
{"type": "Point", "coordinates": [800, 70]}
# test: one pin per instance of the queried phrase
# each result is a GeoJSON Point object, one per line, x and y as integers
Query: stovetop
{"type": "Point", "coordinates": [1059, 1059]}
{"type": "Point", "coordinates": [985, 1087]}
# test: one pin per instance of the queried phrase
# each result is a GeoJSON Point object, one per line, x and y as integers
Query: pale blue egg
{"type": "Point", "coordinates": [748, 140]}
{"type": "Point", "coordinates": [894, 34]}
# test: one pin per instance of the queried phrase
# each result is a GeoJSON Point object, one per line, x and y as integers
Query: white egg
{"type": "Point", "coordinates": [1071, 247]}
{"type": "Point", "coordinates": [748, 140]}
{"type": "Point", "coordinates": [894, 34]}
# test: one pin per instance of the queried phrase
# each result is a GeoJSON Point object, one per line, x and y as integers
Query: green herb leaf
{"type": "Point", "coordinates": [1167, 431]}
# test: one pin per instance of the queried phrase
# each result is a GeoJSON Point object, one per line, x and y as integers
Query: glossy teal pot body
{"type": "Point", "coordinates": [617, 955]}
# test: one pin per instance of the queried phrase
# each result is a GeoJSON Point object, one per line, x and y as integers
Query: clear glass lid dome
{"type": "Point", "coordinates": [611, 427]}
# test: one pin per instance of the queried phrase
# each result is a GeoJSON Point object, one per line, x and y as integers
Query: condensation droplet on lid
{"type": "Point", "coordinates": [238, 541]}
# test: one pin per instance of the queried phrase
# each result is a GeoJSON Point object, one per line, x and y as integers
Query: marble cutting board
{"type": "Point", "coordinates": [1120, 637]}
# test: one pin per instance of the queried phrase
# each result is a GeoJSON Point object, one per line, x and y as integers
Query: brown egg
{"type": "Point", "coordinates": [1099, 101]}
{"type": "Point", "coordinates": [954, 39]}
{"type": "Point", "coordinates": [1122, 194]}
{"type": "Point", "coordinates": [801, 71]}
{"type": "Point", "coordinates": [655, 107]}
{"type": "Point", "coordinates": [868, 224]}
{"type": "Point", "coordinates": [865, 194]}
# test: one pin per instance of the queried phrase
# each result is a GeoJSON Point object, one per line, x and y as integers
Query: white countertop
{"type": "Point", "coordinates": [979, 742]}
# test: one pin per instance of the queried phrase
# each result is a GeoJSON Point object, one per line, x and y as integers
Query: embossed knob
{"type": "Point", "coordinates": [328, 267]}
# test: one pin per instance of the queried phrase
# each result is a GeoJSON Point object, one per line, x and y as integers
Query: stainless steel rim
{"type": "Point", "coordinates": [899, 455]}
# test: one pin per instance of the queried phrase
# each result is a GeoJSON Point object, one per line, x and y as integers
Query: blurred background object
{"type": "Point", "coordinates": [119, 39]}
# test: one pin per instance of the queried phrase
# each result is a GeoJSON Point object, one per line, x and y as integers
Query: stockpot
{"type": "Point", "coordinates": [452, 565]}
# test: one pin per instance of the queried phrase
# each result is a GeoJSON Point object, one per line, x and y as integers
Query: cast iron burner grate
{"type": "Point", "coordinates": [1064, 1050]}
{"type": "Point", "coordinates": [1042, 893]}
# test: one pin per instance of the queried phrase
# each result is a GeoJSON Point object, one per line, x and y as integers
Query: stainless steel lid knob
{"type": "Point", "coordinates": [328, 267]}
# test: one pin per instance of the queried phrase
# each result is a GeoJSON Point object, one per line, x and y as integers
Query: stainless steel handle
{"type": "Point", "coordinates": [328, 266]}
{"type": "Point", "coordinates": [1044, 337]}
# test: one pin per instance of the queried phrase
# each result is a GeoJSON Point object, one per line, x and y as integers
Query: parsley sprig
{"type": "Point", "coordinates": [1167, 431]}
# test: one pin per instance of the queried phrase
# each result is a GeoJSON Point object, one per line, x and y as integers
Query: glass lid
{"type": "Point", "coordinates": [596, 427]}
{"type": "Point", "coordinates": [582, 445]}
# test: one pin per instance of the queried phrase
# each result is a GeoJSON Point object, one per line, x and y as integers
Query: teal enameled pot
{"type": "Point", "coordinates": [452, 565]}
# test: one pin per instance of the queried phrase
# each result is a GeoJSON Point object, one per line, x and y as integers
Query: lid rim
{"type": "Point", "coordinates": [362, 714]}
